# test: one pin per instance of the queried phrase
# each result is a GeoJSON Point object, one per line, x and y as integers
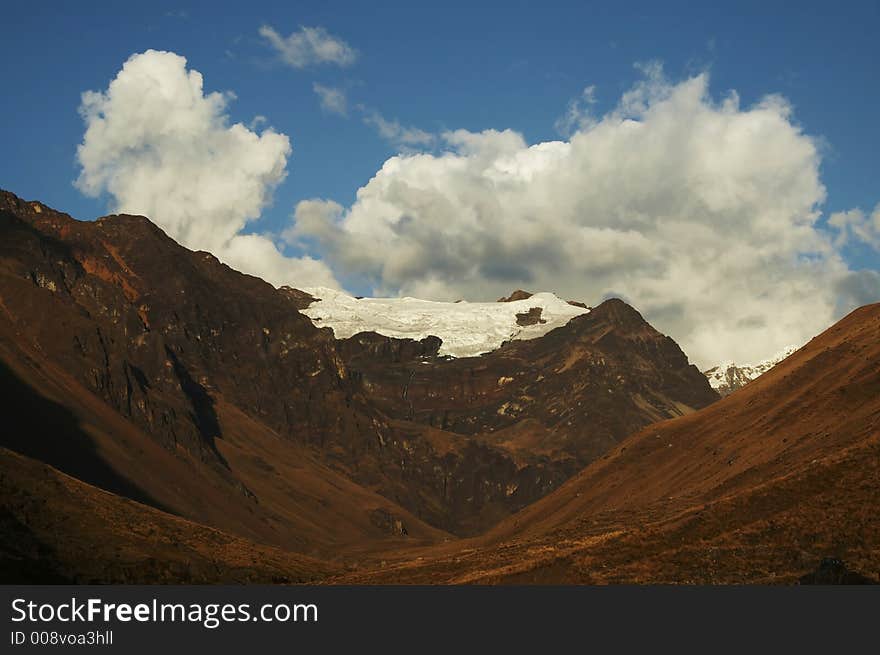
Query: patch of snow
{"type": "Point", "coordinates": [467, 329]}
{"type": "Point", "coordinates": [728, 376]}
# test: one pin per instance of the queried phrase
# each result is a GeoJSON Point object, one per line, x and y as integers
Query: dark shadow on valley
{"type": "Point", "coordinates": [42, 429]}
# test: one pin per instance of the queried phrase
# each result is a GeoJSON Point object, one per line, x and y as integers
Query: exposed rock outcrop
{"type": "Point", "coordinates": [519, 294]}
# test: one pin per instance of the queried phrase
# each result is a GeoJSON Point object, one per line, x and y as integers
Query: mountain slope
{"type": "Point", "coordinates": [271, 490]}
{"type": "Point", "coordinates": [816, 404]}
{"type": "Point", "coordinates": [758, 487]}
{"type": "Point", "coordinates": [156, 362]}
{"type": "Point", "coordinates": [60, 530]}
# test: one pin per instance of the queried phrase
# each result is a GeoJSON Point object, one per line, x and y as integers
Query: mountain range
{"type": "Point", "coordinates": [170, 419]}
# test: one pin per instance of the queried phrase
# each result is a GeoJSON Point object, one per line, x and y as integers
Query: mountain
{"type": "Point", "coordinates": [144, 369]}
{"type": "Point", "coordinates": [169, 419]}
{"type": "Point", "coordinates": [161, 375]}
{"type": "Point", "coordinates": [768, 485]}
{"type": "Point", "coordinates": [162, 361]}
{"type": "Point", "coordinates": [727, 377]}
{"type": "Point", "coordinates": [532, 412]}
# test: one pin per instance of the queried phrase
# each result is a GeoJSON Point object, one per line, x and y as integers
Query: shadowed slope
{"type": "Point", "coordinates": [63, 443]}
{"type": "Point", "coordinates": [68, 531]}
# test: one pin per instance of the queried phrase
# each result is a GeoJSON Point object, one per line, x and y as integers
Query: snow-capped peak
{"type": "Point", "coordinates": [727, 376]}
{"type": "Point", "coordinates": [466, 328]}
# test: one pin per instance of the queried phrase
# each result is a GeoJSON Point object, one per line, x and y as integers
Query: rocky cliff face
{"type": "Point", "coordinates": [572, 393]}
{"type": "Point", "coordinates": [166, 336]}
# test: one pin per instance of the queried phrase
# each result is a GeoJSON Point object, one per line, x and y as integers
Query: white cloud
{"type": "Point", "coordinates": [395, 133]}
{"type": "Point", "coordinates": [701, 213]}
{"type": "Point", "coordinates": [333, 100]}
{"type": "Point", "coordinates": [257, 254]}
{"type": "Point", "coordinates": [308, 46]}
{"type": "Point", "coordinates": [856, 224]}
{"type": "Point", "coordinates": [579, 113]}
{"type": "Point", "coordinates": [161, 147]}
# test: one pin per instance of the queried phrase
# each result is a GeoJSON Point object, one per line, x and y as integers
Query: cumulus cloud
{"type": "Point", "coordinates": [395, 133]}
{"type": "Point", "coordinates": [162, 147]}
{"type": "Point", "coordinates": [333, 100]}
{"type": "Point", "coordinates": [308, 46]}
{"type": "Point", "coordinates": [699, 211]}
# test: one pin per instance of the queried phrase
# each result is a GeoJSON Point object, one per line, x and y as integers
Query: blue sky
{"type": "Point", "coordinates": [440, 67]}
{"type": "Point", "coordinates": [465, 64]}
